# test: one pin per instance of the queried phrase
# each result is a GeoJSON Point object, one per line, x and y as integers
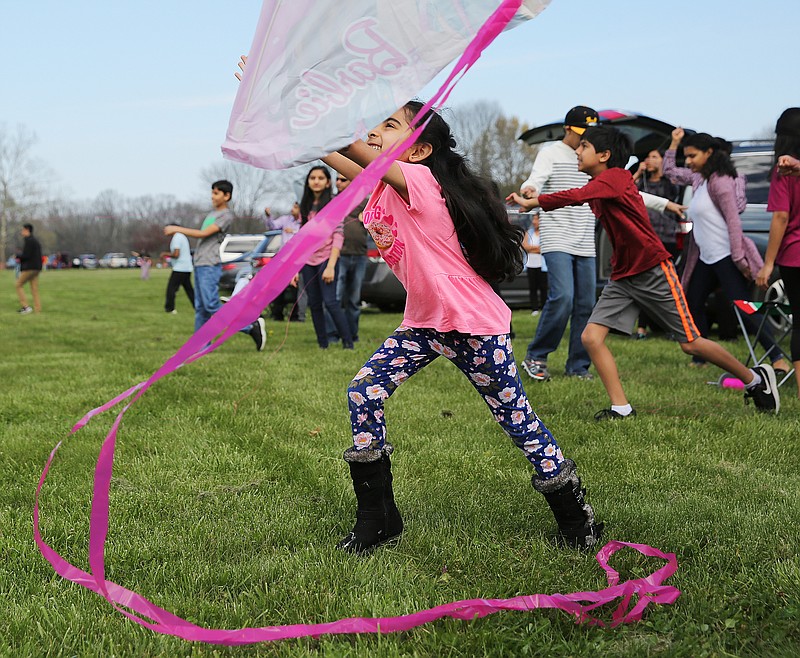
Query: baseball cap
{"type": "Point", "coordinates": [580, 117]}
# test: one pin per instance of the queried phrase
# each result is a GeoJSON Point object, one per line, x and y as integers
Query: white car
{"type": "Point", "coordinates": [114, 260]}
{"type": "Point", "coordinates": [233, 245]}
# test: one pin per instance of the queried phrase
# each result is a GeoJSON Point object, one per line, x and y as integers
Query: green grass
{"type": "Point", "coordinates": [229, 492]}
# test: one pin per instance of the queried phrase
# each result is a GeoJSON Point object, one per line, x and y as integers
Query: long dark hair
{"type": "Point", "coordinates": [307, 202]}
{"type": "Point", "coordinates": [787, 134]}
{"type": "Point", "coordinates": [720, 160]}
{"type": "Point", "coordinates": [491, 244]}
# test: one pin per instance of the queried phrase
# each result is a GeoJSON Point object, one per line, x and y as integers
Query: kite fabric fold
{"type": "Point", "coordinates": [240, 311]}
{"type": "Point", "coordinates": [303, 96]}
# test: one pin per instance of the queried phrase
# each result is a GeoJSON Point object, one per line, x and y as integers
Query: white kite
{"type": "Point", "coordinates": [319, 74]}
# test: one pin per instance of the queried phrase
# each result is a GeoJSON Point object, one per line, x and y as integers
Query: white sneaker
{"type": "Point", "coordinates": [259, 333]}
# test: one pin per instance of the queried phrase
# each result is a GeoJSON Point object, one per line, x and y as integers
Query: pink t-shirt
{"type": "Point", "coordinates": [784, 196]}
{"type": "Point", "coordinates": [419, 243]}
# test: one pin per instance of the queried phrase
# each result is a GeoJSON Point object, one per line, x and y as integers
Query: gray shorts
{"type": "Point", "coordinates": [657, 292]}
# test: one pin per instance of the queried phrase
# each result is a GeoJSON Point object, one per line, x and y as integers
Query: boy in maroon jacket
{"type": "Point", "coordinates": [643, 276]}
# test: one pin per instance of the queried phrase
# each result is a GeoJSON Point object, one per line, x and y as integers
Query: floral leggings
{"type": "Point", "coordinates": [489, 364]}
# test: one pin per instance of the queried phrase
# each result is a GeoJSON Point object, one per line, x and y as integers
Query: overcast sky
{"type": "Point", "coordinates": [136, 96]}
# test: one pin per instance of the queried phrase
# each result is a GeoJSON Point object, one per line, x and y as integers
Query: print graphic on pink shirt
{"type": "Point", "coordinates": [381, 227]}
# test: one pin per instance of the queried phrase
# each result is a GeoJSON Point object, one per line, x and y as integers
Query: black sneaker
{"type": "Point", "coordinates": [765, 396]}
{"type": "Point", "coordinates": [610, 414]}
{"type": "Point", "coordinates": [259, 333]}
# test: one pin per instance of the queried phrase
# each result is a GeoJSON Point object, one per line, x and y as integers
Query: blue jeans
{"type": "Point", "coordinates": [321, 294]}
{"type": "Point", "coordinates": [348, 289]}
{"type": "Point", "coordinates": [206, 294]}
{"type": "Point", "coordinates": [570, 298]}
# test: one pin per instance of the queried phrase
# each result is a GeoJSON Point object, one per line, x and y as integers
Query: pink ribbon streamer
{"type": "Point", "coordinates": [245, 308]}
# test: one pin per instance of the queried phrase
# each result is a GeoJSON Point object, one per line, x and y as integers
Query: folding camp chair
{"type": "Point", "coordinates": [771, 309]}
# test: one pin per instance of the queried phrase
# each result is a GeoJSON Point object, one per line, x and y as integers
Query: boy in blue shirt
{"type": "Point", "coordinates": [180, 254]}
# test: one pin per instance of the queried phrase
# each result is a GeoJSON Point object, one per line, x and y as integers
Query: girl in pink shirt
{"type": "Point", "coordinates": [446, 236]}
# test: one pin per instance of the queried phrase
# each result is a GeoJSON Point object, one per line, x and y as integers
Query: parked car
{"type": "Point", "coordinates": [58, 261]}
{"type": "Point", "coordinates": [259, 250]}
{"type": "Point", "coordinates": [86, 261]}
{"type": "Point", "coordinates": [113, 260]}
{"type": "Point", "coordinates": [645, 133]}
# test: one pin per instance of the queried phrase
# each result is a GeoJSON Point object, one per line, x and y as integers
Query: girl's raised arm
{"type": "Point", "coordinates": [360, 155]}
{"type": "Point", "coordinates": [342, 164]}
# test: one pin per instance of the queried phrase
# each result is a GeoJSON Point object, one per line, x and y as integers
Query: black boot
{"type": "Point", "coordinates": [377, 518]}
{"type": "Point", "coordinates": [575, 517]}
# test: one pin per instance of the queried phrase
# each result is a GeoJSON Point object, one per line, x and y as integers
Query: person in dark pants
{"type": "Point", "coordinates": [320, 271]}
{"type": "Point", "coordinates": [535, 267]}
{"type": "Point", "coordinates": [181, 261]}
{"type": "Point", "coordinates": [718, 253]}
{"type": "Point", "coordinates": [30, 266]}
{"type": "Point", "coordinates": [352, 266]}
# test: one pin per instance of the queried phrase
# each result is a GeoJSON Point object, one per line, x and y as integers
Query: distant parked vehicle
{"type": "Point", "coordinates": [85, 261]}
{"type": "Point", "coordinates": [58, 261]}
{"type": "Point", "coordinates": [260, 248]}
{"type": "Point", "coordinates": [114, 260]}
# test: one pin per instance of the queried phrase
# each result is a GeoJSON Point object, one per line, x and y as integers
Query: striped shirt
{"type": "Point", "coordinates": [570, 229]}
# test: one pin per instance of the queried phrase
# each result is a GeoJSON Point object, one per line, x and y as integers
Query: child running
{"type": "Point", "coordinates": [446, 236]}
{"type": "Point", "coordinates": [643, 276]}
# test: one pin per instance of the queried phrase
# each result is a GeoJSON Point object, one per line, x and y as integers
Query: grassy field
{"type": "Point", "coordinates": [229, 492]}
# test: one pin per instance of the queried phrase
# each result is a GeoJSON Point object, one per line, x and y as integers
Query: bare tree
{"type": "Point", "coordinates": [112, 222]}
{"type": "Point", "coordinates": [512, 158]}
{"type": "Point", "coordinates": [22, 179]}
{"type": "Point", "coordinates": [469, 122]}
{"type": "Point", "coordinates": [766, 132]}
{"type": "Point", "coordinates": [489, 140]}
{"type": "Point", "coordinates": [147, 216]}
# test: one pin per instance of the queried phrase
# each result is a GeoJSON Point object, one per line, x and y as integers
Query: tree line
{"type": "Point", "coordinates": [113, 222]}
